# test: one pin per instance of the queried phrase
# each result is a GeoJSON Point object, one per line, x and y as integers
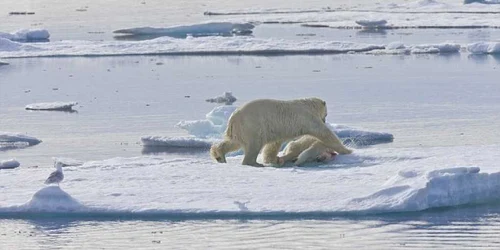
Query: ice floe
{"type": "Point", "coordinates": [239, 45]}
{"type": "Point", "coordinates": [55, 106]}
{"type": "Point", "coordinates": [10, 140]}
{"type": "Point", "coordinates": [400, 48]}
{"type": "Point", "coordinates": [3, 63]}
{"type": "Point", "coordinates": [226, 98]}
{"type": "Point", "coordinates": [9, 164]}
{"type": "Point", "coordinates": [372, 23]}
{"type": "Point", "coordinates": [484, 48]}
{"type": "Point", "coordinates": [27, 35]}
{"type": "Point", "coordinates": [203, 29]}
{"type": "Point", "coordinates": [372, 180]}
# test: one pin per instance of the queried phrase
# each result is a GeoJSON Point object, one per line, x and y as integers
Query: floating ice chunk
{"type": "Point", "coordinates": [226, 98]}
{"type": "Point", "coordinates": [204, 29]}
{"type": "Point", "coordinates": [57, 106]}
{"type": "Point", "coordinates": [3, 63]}
{"type": "Point", "coordinates": [51, 199]}
{"type": "Point", "coordinates": [12, 138]}
{"type": "Point", "coordinates": [9, 164]}
{"type": "Point", "coordinates": [484, 48]}
{"type": "Point", "coordinates": [436, 48]}
{"type": "Point", "coordinates": [201, 128]}
{"type": "Point", "coordinates": [27, 35]}
{"type": "Point", "coordinates": [395, 45]}
{"type": "Point", "coordinates": [176, 142]}
{"type": "Point", "coordinates": [372, 23]}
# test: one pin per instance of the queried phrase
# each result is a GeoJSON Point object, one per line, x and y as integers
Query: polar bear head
{"type": "Point", "coordinates": [218, 153]}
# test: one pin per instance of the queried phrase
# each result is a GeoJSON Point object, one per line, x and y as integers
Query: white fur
{"type": "Point", "coordinates": [306, 149]}
{"type": "Point", "coordinates": [265, 124]}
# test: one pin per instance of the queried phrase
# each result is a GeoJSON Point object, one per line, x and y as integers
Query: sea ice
{"type": "Point", "coordinates": [9, 164]}
{"type": "Point", "coordinates": [8, 138]}
{"type": "Point", "coordinates": [50, 199]}
{"type": "Point", "coordinates": [3, 63]}
{"type": "Point", "coordinates": [372, 23]}
{"type": "Point", "coordinates": [56, 106]}
{"type": "Point", "coordinates": [27, 35]}
{"type": "Point", "coordinates": [204, 29]}
{"type": "Point", "coordinates": [484, 48]}
{"type": "Point", "coordinates": [226, 98]}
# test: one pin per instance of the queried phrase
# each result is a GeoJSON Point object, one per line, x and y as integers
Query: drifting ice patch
{"type": "Point", "coordinates": [484, 48]}
{"type": "Point", "coordinates": [226, 98]}
{"type": "Point", "coordinates": [400, 48]}
{"type": "Point", "coordinates": [9, 164]}
{"type": "Point", "coordinates": [16, 140]}
{"type": "Point", "coordinates": [175, 142]}
{"type": "Point", "coordinates": [3, 63]}
{"type": "Point", "coordinates": [56, 106]}
{"type": "Point", "coordinates": [196, 30]}
{"type": "Point", "coordinates": [372, 23]}
{"type": "Point", "coordinates": [27, 35]}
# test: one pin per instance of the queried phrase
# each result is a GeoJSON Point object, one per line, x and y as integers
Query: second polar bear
{"type": "Point", "coordinates": [265, 124]}
{"type": "Point", "coordinates": [306, 149]}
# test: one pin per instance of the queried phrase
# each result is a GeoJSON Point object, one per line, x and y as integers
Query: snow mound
{"type": "Point", "coordinates": [226, 98]}
{"type": "Point", "coordinates": [175, 142]}
{"type": "Point", "coordinates": [51, 199]}
{"type": "Point", "coordinates": [484, 48]}
{"type": "Point", "coordinates": [204, 29]}
{"type": "Point", "coordinates": [436, 188]}
{"type": "Point", "coordinates": [217, 119]}
{"type": "Point", "coordinates": [27, 35]}
{"type": "Point", "coordinates": [16, 140]}
{"type": "Point", "coordinates": [9, 164]}
{"type": "Point", "coordinates": [56, 106]}
{"type": "Point", "coordinates": [372, 23]}
{"type": "Point", "coordinates": [236, 45]}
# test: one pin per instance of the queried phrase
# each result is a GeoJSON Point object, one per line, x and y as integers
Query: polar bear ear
{"type": "Point", "coordinates": [324, 103]}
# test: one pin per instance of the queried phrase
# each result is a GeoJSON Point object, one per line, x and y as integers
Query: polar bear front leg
{"type": "Point", "coordinates": [251, 153]}
{"type": "Point", "coordinates": [324, 134]}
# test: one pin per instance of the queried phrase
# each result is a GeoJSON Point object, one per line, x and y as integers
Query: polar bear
{"type": "Point", "coordinates": [264, 124]}
{"type": "Point", "coordinates": [306, 149]}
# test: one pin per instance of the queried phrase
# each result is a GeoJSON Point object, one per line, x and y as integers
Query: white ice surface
{"type": "Point", "coordinates": [3, 63]}
{"type": "Point", "coordinates": [176, 142]}
{"type": "Point", "coordinates": [9, 164]}
{"type": "Point", "coordinates": [369, 181]}
{"type": "Point", "coordinates": [400, 48]}
{"type": "Point", "coordinates": [484, 48]}
{"type": "Point", "coordinates": [26, 35]}
{"type": "Point", "coordinates": [51, 106]}
{"type": "Point", "coordinates": [202, 29]}
{"type": "Point", "coordinates": [9, 140]}
{"type": "Point", "coordinates": [371, 23]}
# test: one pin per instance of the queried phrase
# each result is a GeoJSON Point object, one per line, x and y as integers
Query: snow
{"type": "Point", "coordinates": [27, 35]}
{"type": "Point", "coordinates": [203, 29]}
{"type": "Point", "coordinates": [226, 98]}
{"type": "Point", "coordinates": [9, 140]}
{"type": "Point", "coordinates": [9, 164]}
{"type": "Point", "coordinates": [58, 106]}
{"type": "Point", "coordinates": [484, 48]}
{"type": "Point", "coordinates": [372, 180]}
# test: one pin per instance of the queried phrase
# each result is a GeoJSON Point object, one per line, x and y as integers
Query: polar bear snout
{"type": "Point", "coordinates": [220, 160]}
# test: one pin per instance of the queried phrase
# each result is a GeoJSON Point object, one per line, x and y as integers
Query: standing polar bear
{"type": "Point", "coordinates": [265, 124]}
